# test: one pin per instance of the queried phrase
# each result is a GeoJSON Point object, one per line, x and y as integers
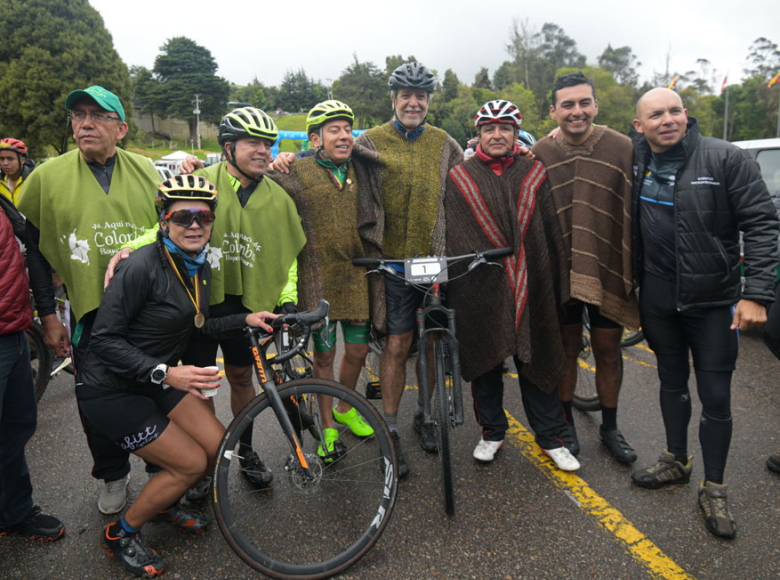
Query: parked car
{"type": "Point", "coordinates": [767, 153]}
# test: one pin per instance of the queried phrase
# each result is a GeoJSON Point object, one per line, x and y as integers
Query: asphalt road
{"type": "Point", "coordinates": [517, 518]}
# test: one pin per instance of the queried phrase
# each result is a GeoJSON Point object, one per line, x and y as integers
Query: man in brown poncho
{"type": "Point", "coordinates": [324, 188]}
{"type": "Point", "coordinates": [589, 169]}
{"type": "Point", "coordinates": [498, 199]}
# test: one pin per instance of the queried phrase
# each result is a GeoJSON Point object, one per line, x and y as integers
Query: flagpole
{"type": "Point", "coordinates": [726, 116]}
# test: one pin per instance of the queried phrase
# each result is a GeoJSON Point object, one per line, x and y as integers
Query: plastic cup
{"type": "Point", "coordinates": [210, 392]}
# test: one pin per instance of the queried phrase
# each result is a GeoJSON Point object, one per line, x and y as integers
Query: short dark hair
{"type": "Point", "coordinates": [571, 80]}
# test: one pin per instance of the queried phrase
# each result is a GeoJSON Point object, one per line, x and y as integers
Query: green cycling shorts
{"type": "Point", "coordinates": [353, 333]}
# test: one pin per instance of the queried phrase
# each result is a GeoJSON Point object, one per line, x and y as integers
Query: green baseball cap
{"type": "Point", "coordinates": [106, 99]}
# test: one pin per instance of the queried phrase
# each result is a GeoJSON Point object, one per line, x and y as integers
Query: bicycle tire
{"type": "Point", "coordinates": [586, 397]}
{"type": "Point", "coordinates": [443, 427]}
{"type": "Point", "coordinates": [299, 530]}
{"type": "Point", "coordinates": [632, 339]}
{"type": "Point", "coordinates": [41, 359]}
{"type": "Point", "coordinates": [369, 374]}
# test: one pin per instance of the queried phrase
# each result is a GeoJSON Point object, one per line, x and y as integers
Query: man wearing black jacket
{"type": "Point", "coordinates": [692, 197]}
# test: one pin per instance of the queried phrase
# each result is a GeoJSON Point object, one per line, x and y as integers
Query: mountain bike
{"type": "Point", "coordinates": [446, 411]}
{"type": "Point", "coordinates": [321, 514]}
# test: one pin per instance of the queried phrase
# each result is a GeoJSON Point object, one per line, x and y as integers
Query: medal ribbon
{"type": "Point", "coordinates": [196, 299]}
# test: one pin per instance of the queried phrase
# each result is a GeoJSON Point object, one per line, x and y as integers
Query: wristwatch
{"type": "Point", "coordinates": [159, 373]}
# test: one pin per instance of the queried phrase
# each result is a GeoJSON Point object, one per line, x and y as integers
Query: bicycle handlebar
{"type": "Point", "coordinates": [487, 254]}
{"type": "Point", "coordinates": [302, 321]}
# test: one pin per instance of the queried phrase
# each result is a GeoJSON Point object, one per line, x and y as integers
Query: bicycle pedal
{"type": "Point", "coordinates": [373, 390]}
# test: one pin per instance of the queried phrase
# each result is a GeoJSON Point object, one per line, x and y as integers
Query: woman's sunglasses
{"type": "Point", "coordinates": [185, 217]}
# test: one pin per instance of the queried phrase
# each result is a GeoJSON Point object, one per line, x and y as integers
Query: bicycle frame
{"type": "Point", "coordinates": [264, 370]}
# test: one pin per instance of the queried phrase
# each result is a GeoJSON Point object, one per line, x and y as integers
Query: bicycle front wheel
{"type": "Point", "coordinates": [443, 424]}
{"type": "Point", "coordinates": [298, 528]}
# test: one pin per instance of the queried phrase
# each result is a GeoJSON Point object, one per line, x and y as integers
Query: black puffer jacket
{"type": "Point", "coordinates": [718, 192]}
{"type": "Point", "coordinates": [146, 318]}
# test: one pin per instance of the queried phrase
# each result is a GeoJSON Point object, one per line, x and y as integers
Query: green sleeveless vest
{"type": "Point", "coordinates": [252, 248]}
{"type": "Point", "coordinates": [81, 226]}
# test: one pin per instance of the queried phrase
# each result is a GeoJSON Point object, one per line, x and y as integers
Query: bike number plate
{"type": "Point", "coordinates": [426, 270]}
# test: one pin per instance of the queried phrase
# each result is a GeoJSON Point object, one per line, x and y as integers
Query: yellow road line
{"type": "Point", "coordinates": [657, 564]}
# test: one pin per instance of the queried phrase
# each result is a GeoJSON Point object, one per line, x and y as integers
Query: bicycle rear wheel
{"type": "Point", "coordinates": [586, 397]}
{"type": "Point", "coordinates": [41, 359]}
{"type": "Point", "coordinates": [369, 375]}
{"type": "Point", "coordinates": [632, 338]}
{"type": "Point", "coordinates": [443, 425]}
{"type": "Point", "coordinates": [299, 529]}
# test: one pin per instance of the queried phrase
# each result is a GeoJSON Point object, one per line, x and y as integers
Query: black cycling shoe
{"type": "Point", "coordinates": [199, 491]}
{"type": "Point", "coordinates": [403, 468]}
{"type": "Point", "coordinates": [134, 553]}
{"type": "Point", "coordinates": [36, 526]}
{"type": "Point", "coordinates": [570, 440]}
{"type": "Point", "coordinates": [426, 432]}
{"type": "Point", "coordinates": [255, 470]}
{"type": "Point", "coordinates": [618, 446]}
{"type": "Point", "coordinates": [187, 520]}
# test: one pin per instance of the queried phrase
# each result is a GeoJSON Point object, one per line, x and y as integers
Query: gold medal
{"type": "Point", "coordinates": [200, 320]}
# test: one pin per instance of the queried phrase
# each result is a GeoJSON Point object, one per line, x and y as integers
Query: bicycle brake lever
{"type": "Point", "coordinates": [479, 261]}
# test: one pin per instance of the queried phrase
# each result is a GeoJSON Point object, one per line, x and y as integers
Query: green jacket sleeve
{"type": "Point", "coordinates": [148, 237]}
{"type": "Point", "coordinates": [290, 290]}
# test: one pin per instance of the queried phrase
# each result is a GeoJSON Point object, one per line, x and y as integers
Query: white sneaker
{"type": "Point", "coordinates": [486, 450]}
{"type": "Point", "coordinates": [113, 497]}
{"type": "Point", "coordinates": [563, 458]}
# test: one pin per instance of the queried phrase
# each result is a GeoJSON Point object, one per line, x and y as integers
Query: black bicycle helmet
{"type": "Point", "coordinates": [412, 75]}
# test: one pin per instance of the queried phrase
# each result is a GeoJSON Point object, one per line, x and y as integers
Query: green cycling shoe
{"type": "Point", "coordinates": [355, 423]}
{"type": "Point", "coordinates": [333, 444]}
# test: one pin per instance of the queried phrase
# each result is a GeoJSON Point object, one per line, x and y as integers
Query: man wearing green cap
{"type": "Point", "coordinates": [80, 208]}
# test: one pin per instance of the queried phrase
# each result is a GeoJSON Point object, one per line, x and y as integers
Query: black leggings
{"type": "Point", "coordinates": [714, 347]}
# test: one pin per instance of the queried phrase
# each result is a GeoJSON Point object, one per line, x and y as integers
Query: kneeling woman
{"type": "Point", "coordinates": [130, 388]}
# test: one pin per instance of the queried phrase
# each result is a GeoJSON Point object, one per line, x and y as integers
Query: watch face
{"type": "Point", "coordinates": [158, 375]}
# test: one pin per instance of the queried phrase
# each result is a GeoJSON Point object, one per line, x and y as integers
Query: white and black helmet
{"type": "Point", "coordinates": [498, 111]}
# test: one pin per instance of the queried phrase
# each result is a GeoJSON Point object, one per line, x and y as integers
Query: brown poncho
{"type": "Point", "coordinates": [501, 312]}
{"type": "Point", "coordinates": [591, 187]}
{"type": "Point", "coordinates": [400, 211]}
{"type": "Point", "coordinates": [329, 219]}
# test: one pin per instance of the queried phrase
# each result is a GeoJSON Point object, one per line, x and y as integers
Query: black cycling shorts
{"type": "Point", "coordinates": [202, 352]}
{"type": "Point", "coordinates": [131, 418]}
{"type": "Point", "coordinates": [574, 316]}
{"type": "Point", "coordinates": [402, 301]}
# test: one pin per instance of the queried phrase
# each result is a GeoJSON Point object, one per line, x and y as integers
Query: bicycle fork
{"type": "Point", "coordinates": [277, 405]}
{"type": "Point", "coordinates": [449, 332]}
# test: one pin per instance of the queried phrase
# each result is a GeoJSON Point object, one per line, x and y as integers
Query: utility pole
{"type": "Point", "coordinates": [330, 89]}
{"type": "Point", "coordinates": [197, 117]}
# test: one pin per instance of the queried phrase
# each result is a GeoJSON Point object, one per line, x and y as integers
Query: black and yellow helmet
{"type": "Point", "coordinates": [326, 111]}
{"type": "Point", "coordinates": [246, 122]}
{"type": "Point", "coordinates": [185, 188]}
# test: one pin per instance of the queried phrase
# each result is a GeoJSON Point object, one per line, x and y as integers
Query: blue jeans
{"type": "Point", "coordinates": [18, 418]}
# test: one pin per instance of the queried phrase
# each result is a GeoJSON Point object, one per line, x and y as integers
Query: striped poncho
{"type": "Point", "coordinates": [514, 310]}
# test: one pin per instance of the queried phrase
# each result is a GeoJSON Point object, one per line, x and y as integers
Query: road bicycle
{"type": "Point", "coordinates": [321, 514]}
{"type": "Point", "coordinates": [44, 364]}
{"type": "Point", "coordinates": [436, 322]}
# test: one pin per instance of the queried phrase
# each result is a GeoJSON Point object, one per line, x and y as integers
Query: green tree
{"type": "Point", "coordinates": [146, 94]}
{"type": "Point", "coordinates": [394, 61]}
{"type": "Point", "coordinates": [300, 93]}
{"type": "Point", "coordinates": [621, 63]}
{"type": "Point", "coordinates": [183, 69]}
{"type": "Point", "coordinates": [763, 59]}
{"type": "Point", "coordinates": [255, 93]}
{"type": "Point", "coordinates": [364, 88]}
{"type": "Point", "coordinates": [506, 75]}
{"type": "Point", "coordinates": [450, 85]}
{"type": "Point", "coordinates": [526, 102]}
{"type": "Point", "coordinates": [482, 79]}
{"type": "Point", "coordinates": [49, 48]}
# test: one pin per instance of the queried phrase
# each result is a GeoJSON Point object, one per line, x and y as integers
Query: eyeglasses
{"type": "Point", "coordinates": [185, 217]}
{"type": "Point", "coordinates": [80, 116]}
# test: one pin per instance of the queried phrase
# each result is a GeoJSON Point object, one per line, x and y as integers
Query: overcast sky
{"type": "Point", "coordinates": [262, 38]}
